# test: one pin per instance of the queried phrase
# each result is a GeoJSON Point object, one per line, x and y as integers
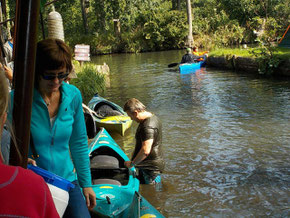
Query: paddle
{"type": "Point", "coordinates": [173, 64]}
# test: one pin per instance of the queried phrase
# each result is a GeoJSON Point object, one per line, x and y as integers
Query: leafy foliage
{"type": "Point", "coordinates": [148, 25]}
{"type": "Point", "coordinates": [89, 81]}
{"type": "Point", "coordinates": [266, 58]}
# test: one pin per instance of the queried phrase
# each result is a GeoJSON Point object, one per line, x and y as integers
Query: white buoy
{"type": "Point", "coordinates": [55, 25]}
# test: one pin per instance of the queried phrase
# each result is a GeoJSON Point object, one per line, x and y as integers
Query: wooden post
{"type": "Point", "coordinates": [27, 13]}
{"type": "Point", "coordinates": [117, 26]}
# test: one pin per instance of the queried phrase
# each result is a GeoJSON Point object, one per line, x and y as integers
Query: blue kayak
{"type": "Point", "coordinates": [190, 67]}
{"type": "Point", "coordinates": [116, 187]}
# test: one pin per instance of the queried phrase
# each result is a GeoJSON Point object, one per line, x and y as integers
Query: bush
{"type": "Point", "coordinates": [267, 59]}
{"type": "Point", "coordinates": [89, 81]}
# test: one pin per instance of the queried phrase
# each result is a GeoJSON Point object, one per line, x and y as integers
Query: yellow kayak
{"type": "Point", "coordinates": [109, 115]}
{"type": "Point", "coordinates": [117, 124]}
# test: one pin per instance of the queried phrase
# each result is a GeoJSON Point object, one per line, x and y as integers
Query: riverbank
{"type": "Point", "coordinates": [246, 64]}
{"type": "Point", "coordinates": [269, 60]}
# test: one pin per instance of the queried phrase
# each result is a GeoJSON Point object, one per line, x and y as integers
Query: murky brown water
{"type": "Point", "coordinates": [226, 136]}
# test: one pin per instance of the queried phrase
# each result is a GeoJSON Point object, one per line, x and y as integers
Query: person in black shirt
{"type": "Point", "coordinates": [148, 154]}
{"type": "Point", "coordinates": [191, 58]}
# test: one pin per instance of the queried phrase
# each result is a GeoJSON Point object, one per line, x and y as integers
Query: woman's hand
{"type": "Point", "coordinates": [31, 161]}
{"type": "Point", "coordinates": [90, 197]}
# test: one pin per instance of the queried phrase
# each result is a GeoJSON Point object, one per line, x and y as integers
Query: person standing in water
{"type": "Point", "coordinates": [148, 154]}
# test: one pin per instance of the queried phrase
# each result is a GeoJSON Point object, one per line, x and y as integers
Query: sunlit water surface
{"type": "Point", "coordinates": [226, 136]}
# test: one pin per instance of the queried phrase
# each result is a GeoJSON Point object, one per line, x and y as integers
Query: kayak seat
{"type": "Point", "coordinates": [104, 162]}
{"type": "Point", "coordinates": [105, 169]}
{"type": "Point", "coordinates": [106, 181]}
{"type": "Point", "coordinates": [106, 110]}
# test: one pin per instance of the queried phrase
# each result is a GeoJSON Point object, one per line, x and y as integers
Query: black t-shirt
{"type": "Point", "coordinates": [187, 58]}
{"type": "Point", "coordinates": [190, 58]}
{"type": "Point", "coordinates": [150, 128]}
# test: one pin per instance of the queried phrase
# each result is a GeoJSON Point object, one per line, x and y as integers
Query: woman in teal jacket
{"type": "Point", "coordinates": [58, 126]}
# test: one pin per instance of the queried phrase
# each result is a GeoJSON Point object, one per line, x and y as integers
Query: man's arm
{"type": "Point", "coordinates": [142, 154]}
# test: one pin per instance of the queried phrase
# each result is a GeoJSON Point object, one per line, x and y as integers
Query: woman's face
{"type": "Point", "coordinates": [51, 80]}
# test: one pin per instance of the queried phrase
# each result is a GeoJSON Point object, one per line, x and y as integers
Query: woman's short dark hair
{"type": "Point", "coordinates": [52, 54]}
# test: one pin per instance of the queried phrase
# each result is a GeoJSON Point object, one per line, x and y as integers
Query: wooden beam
{"type": "Point", "coordinates": [27, 14]}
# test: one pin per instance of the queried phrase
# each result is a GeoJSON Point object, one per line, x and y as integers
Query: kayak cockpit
{"type": "Point", "coordinates": [107, 167]}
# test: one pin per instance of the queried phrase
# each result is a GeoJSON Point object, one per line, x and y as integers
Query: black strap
{"type": "Point", "coordinates": [33, 150]}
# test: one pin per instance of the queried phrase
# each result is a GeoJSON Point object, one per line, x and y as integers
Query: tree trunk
{"type": "Point", "coordinates": [3, 6]}
{"type": "Point", "coordinates": [189, 19]}
{"type": "Point", "coordinates": [173, 2]}
{"type": "Point", "coordinates": [84, 14]}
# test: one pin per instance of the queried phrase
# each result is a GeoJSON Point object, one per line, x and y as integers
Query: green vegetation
{"type": "Point", "coordinates": [267, 56]}
{"type": "Point", "coordinates": [281, 53]}
{"type": "Point", "coordinates": [151, 25]}
{"type": "Point", "coordinates": [89, 81]}
{"type": "Point", "coordinates": [231, 52]}
{"type": "Point", "coordinates": [155, 25]}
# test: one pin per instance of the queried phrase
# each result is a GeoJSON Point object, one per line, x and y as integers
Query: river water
{"type": "Point", "coordinates": [226, 136]}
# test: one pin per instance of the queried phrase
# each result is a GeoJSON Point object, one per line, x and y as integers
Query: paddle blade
{"type": "Point", "coordinates": [173, 64]}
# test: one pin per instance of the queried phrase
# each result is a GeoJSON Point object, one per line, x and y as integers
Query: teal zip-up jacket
{"type": "Point", "coordinates": [63, 146]}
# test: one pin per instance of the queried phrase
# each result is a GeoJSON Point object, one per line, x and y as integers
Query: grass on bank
{"type": "Point", "coordinates": [282, 53]}
{"type": "Point", "coordinates": [89, 80]}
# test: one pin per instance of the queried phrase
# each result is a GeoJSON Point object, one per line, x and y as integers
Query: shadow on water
{"type": "Point", "coordinates": [225, 136]}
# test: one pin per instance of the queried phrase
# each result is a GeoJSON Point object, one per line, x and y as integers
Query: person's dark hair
{"type": "Point", "coordinates": [134, 104]}
{"type": "Point", "coordinates": [52, 54]}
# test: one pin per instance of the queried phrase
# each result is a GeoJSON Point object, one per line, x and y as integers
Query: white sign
{"type": "Point", "coordinates": [82, 52]}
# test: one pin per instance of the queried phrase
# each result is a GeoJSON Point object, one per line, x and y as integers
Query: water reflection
{"type": "Point", "coordinates": [226, 136]}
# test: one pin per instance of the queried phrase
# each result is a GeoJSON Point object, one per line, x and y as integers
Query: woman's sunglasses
{"type": "Point", "coordinates": [52, 77]}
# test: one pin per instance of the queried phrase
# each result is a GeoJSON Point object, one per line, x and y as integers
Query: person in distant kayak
{"type": "Point", "coordinates": [148, 154]}
{"type": "Point", "coordinates": [196, 53]}
{"type": "Point", "coordinates": [22, 192]}
{"type": "Point", "coordinates": [189, 57]}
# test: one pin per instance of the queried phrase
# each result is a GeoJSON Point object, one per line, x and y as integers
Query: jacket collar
{"type": "Point", "coordinates": [66, 95]}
